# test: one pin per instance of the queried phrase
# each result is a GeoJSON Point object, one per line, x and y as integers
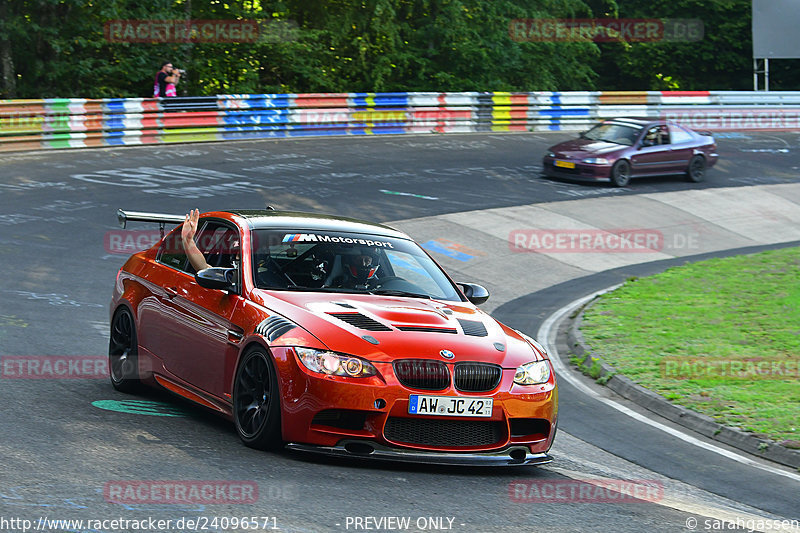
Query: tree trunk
{"type": "Point", "coordinates": [9, 87]}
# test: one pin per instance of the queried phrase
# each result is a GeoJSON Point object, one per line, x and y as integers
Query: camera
{"type": "Point", "coordinates": [180, 71]}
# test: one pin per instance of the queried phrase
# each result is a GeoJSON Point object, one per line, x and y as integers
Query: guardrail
{"type": "Point", "coordinates": [71, 123]}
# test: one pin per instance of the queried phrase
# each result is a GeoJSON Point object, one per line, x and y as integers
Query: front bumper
{"type": "Point", "coordinates": [582, 171]}
{"type": "Point", "coordinates": [325, 412]}
{"type": "Point", "coordinates": [360, 449]}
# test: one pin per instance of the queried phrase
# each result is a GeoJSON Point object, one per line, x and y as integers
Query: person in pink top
{"type": "Point", "coordinates": [166, 80]}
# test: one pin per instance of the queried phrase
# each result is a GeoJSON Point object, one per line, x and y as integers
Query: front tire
{"type": "Point", "coordinates": [697, 169]}
{"type": "Point", "coordinates": [621, 173]}
{"type": "Point", "coordinates": [123, 352]}
{"type": "Point", "coordinates": [256, 401]}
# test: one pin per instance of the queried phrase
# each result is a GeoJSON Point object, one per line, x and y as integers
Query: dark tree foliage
{"type": "Point", "coordinates": [722, 60]}
{"type": "Point", "coordinates": [57, 48]}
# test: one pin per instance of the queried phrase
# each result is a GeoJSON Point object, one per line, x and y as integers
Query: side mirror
{"type": "Point", "coordinates": [477, 294]}
{"type": "Point", "coordinates": [582, 135]}
{"type": "Point", "coordinates": [216, 278]}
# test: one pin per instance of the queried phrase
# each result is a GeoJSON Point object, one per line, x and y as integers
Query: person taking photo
{"type": "Point", "coordinates": [166, 80]}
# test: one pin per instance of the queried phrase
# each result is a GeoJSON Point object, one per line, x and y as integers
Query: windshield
{"type": "Point", "coordinates": [346, 262]}
{"type": "Point", "coordinates": [614, 133]}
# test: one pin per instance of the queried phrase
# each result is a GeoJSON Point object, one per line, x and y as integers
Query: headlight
{"type": "Point", "coordinates": [550, 154]}
{"type": "Point", "coordinates": [532, 373]}
{"type": "Point", "coordinates": [596, 161]}
{"type": "Point", "coordinates": [335, 364]}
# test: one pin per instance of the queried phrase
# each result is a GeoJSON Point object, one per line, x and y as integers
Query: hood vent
{"type": "Point", "coordinates": [426, 329]}
{"type": "Point", "coordinates": [346, 306]}
{"type": "Point", "coordinates": [360, 321]}
{"type": "Point", "coordinates": [274, 326]}
{"type": "Point", "coordinates": [473, 328]}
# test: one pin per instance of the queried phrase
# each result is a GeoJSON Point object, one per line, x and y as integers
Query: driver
{"type": "Point", "coordinates": [652, 137]}
{"type": "Point", "coordinates": [360, 269]}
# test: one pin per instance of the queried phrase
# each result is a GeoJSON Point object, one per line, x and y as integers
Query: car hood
{"type": "Point", "coordinates": [386, 328]}
{"type": "Point", "coordinates": [579, 148]}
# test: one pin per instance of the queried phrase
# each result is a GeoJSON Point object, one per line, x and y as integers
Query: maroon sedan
{"type": "Point", "coordinates": [625, 148]}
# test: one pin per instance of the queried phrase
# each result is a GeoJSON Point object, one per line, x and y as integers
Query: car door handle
{"type": "Point", "coordinates": [171, 292]}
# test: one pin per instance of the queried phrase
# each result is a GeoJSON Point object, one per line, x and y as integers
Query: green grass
{"type": "Point", "coordinates": [731, 311]}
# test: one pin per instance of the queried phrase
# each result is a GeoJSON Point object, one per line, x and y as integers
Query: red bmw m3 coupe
{"type": "Point", "coordinates": [330, 335]}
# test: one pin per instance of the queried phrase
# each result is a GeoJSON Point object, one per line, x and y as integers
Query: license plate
{"type": "Point", "coordinates": [419, 404]}
{"type": "Point", "coordinates": [564, 164]}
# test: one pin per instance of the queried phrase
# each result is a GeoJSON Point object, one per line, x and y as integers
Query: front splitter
{"type": "Point", "coordinates": [359, 449]}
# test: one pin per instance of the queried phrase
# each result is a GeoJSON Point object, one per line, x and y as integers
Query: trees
{"type": "Point", "coordinates": [57, 48]}
{"type": "Point", "coordinates": [722, 60]}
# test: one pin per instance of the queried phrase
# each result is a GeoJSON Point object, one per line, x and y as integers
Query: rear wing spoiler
{"type": "Point", "coordinates": [123, 217]}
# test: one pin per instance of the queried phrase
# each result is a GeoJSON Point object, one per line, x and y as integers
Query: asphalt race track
{"type": "Point", "coordinates": [62, 454]}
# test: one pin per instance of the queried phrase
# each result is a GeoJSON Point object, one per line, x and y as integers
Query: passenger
{"type": "Point", "coordinates": [226, 249]}
{"type": "Point", "coordinates": [196, 257]}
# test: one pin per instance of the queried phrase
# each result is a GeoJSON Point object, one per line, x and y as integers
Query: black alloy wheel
{"type": "Point", "coordinates": [256, 401]}
{"type": "Point", "coordinates": [123, 360]}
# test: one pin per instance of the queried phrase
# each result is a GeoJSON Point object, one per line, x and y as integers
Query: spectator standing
{"type": "Point", "coordinates": [166, 80]}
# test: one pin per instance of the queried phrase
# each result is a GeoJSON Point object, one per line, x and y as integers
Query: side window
{"type": "Point", "coordinates": [219, 243]}
{"type": "Point", "coordinates": [651, 137]}
{"type": "Point", "coordinates": [656, 135]}
{"type": "Point", "coordinates": [172, 253]}
{"type": "Point", "coordinates": [679, 135]}
{"type": "Point", "coordinates": [663, 135]}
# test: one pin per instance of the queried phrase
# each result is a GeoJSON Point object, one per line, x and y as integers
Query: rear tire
{"type": "Point", "coordinates": [123, 352]}
{"type": "Point", "coordinates": [621, 173]}
{"type": "Point", "coordinates": [256, 401]}
{"type": "Point", "coordinates": [697, 169]}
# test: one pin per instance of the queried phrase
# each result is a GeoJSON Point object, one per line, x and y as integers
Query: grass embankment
{"type": "Point", "coordinates": [721, 337]}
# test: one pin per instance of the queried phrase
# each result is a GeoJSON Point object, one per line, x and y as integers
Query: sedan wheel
{"type": "Point", "coordinates": [621, 173]}
{"type": "Point", "coordinates": [697, 168]}
{"type": "Point", "coordinates": [256, 402]}
{"type": "Point", "coordinates": [123, 363]}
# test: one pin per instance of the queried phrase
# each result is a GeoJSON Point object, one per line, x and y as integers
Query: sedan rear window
{"type": "Point", "coordinates": [346, 262]}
